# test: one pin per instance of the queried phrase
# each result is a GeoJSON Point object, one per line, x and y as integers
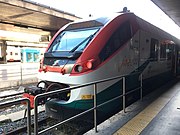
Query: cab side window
{"type": "Point", "coordinates": [118, 39]}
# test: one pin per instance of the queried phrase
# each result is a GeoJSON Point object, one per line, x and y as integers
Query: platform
{"type": "Point", "coordinates": [157, 114]}
{"type": "Point", "coordinates": [16, 74]}
{"type": "Point", "coordinates": [167, 121]}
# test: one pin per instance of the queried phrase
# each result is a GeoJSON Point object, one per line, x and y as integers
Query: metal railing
{"type": "Point", "coordinates": [120, 78]}
{"type": "Point", "coordinates": [123, 78]}
{"type": "Point", "coordinates": [19, 101]}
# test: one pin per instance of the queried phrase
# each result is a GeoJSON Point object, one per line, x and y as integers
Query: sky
{"type": "Point", "coordinates": [142, 8]}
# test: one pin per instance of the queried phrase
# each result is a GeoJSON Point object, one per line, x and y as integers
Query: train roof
{"type": "Point", "coordinates": [93, 21]}
{"type": "Point", "coordinates": [146, 26]}
{"type": "Point", "coordinates": [101, 21]}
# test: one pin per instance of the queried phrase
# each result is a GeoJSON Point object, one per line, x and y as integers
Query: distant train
{"type": "Point", "coordinates": [24, 54]}
{"type": "Point", "coordinates": [95, 49]}
{"type": "Point", "coordinates": [13, 54]}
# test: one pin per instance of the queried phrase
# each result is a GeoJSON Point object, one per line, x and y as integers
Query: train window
{"type": "Point", "coordinates": [163, 51]}
{"type": "Point", "coordinates": [118, 38]}
{"type": "Point", "coordinates": [154, 50]}
{"type": "Point", "coordinates": [36, 56]}
{"type": "Point", "coordinates": [169, 51]}
{"type": "Point", "coordinates": [68, 40]}
{"type": "Point", "coordinates": [29, 55]}
{"type": "Point", "coordinates": [16, 53]}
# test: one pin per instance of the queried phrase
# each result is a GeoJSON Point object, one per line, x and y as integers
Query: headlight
{"type": "Point", "coordinates": [78, 68]}
{"type": "Point", "coordinates": [85, 66]}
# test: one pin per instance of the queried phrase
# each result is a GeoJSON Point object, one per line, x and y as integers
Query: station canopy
{"type": "Point", "coordinates": [30, 17]}
{"type": "Point", "coordinates": [171, 8]}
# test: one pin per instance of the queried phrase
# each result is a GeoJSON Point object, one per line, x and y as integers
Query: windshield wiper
{"type": "Point", "coordinates": [57, 41]}
{"type": "Point", "coordinates": [90, 37]}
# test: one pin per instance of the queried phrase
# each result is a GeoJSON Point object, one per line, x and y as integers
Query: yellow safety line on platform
{"type": "Point", "coordinates": [136, 125]}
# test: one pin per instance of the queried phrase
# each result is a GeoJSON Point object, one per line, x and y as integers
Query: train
{"type": "Point", "coordinates": [98, 48]}
{"type": "Point", "coordinates": [13, 54]}
{"type": "Point", "coordinates": [24, 54]}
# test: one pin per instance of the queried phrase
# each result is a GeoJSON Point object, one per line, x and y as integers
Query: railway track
{"type": "Point", "coordinates": [12, 120]}
{"type": "Point", "coordinates": [10, 94]}
{"type": "Point", "coordinates": [19, 127]}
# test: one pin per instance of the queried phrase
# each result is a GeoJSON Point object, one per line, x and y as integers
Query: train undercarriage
{"type": "Point", "coordinates": [42, 87]}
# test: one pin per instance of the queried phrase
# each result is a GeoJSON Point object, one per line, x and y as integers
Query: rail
{"type": "Point", "coordinates": [123, 78]}
{"type": "Point", "coordinates": [19, 101]}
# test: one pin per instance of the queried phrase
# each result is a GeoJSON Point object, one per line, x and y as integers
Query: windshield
{"type": "Point", "coordinates": [72, 40]}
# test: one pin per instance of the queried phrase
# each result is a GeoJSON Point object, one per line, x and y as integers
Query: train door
{"type": "Point", "coordinates": [134, 50]}
{"type": "Point", "coordinates": [144, 47]}
{"type": "Point", "coordinates": [177, 60]}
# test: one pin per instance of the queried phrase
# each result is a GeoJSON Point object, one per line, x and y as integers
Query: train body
{"type": "Point", "coordinates": [13, 54]}
{"type": "Point", "coordinates": [105, 47]}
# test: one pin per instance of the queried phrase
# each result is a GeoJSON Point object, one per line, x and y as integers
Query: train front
{"type": "Point", "coordinates": [60, 68]}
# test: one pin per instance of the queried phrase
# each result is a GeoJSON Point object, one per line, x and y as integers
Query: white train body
{"type": "Point", "coordinates": [13, 54]}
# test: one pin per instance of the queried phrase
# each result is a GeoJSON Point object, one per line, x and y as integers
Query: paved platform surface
{"type": "Point", "coordinates": [158, 114]}
{"type": "Point", "coordinates": [167, 121]}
